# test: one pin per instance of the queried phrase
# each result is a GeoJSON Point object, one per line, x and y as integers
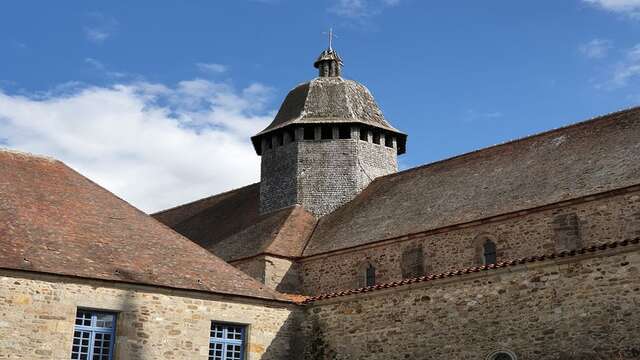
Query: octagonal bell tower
{"type": "Point", "coordinates": [328, 141]}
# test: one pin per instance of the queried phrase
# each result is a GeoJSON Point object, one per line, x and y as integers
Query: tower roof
{"type": "Point", "coordinates": [330, 99]}
{"type": "Point", "coordinates": [328, 55]}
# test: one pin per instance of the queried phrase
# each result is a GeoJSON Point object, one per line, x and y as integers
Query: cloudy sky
{"type": "Point", "coordinates": [156, 100]}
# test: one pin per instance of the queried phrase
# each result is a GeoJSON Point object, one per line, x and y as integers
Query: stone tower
{"type": "Point", "coordinates": [328, 141]}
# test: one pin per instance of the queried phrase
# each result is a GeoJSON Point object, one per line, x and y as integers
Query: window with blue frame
{"type": "Point", "coordinates": [226, 342]}
{"type": "Point", "coordinates": [93, 335]}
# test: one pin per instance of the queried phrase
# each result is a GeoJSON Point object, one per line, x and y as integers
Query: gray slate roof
{"type": "Point", "coordinates": [578, 160]}
{"type": "Point", "coordinates": [582, 159]}
{"type": "Point", "coordinates": [329, 100]}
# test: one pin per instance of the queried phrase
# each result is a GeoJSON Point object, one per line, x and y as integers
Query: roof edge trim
{"type": "Point", "coordinates": [476, 269]}
{"type": "Point", "coordinates": [147, 285]}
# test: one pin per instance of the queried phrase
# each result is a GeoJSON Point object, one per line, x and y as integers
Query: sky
{"type": "Point", "coordinates": [156, 100]}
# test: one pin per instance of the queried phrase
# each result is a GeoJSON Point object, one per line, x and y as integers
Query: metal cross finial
{"type": "Point", "coordinates": [331, 36]}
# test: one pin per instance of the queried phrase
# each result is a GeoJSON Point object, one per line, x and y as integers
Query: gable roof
{"type": "Point", "coordinates": [230, 226]}
{"type": "Point", "coordinates": [578, 160]}
{"type": "Point", "coordinates": [54, 220]}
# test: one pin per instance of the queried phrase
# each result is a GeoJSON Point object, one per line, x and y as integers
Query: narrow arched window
{"type": "Point", "coordinates": [370, 276]}
{"type": "Point", "coordinates": [489, 252]}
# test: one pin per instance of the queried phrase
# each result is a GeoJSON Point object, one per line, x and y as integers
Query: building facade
{"type": "Point", "coordinates": [524, 250]}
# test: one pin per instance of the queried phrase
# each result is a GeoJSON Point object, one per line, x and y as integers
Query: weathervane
{"type": "Point", "coordinates": [331, 36]}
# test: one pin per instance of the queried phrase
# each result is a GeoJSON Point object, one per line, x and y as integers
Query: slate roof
{"type": "Point", "coordinates": [578, 160]}
{"type": "Point", "coordinates": [230, 226]}
{"type": "Point", "coordinates": [330, 100]}
{"type": "Point", "coordinates": [582, 159]}
{"type": "Point", "coordinates": [54, 220]}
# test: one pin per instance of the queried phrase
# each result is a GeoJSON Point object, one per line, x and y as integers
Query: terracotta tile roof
{"type": "Point", "coordinates": [54, 220]}
{"type": "Point", "coordinates": [475, 269]}
{"type": "Point", "coordinates": [296, 298]}
{"type": "Point", "coordinates": [229, 225]}
{"type": "Point", "coordinates": [579, 160]}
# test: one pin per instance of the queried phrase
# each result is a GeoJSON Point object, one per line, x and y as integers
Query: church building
{"type": "Point", "coordinates": [528, 249]}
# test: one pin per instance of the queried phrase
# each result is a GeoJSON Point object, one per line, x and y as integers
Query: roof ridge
{"type": "Point", "coordinates": [28, 154]}
{"type": "Point", "coordinates": [289, 209]}
{"type": "Point", "coordinates": [518, 139]}
{"type": "Point", "coordinates": [474, 269]}
{"type": "Point", "coordinates": [292, 211]}
{"type": "Point", "coordinates": [202, 199]}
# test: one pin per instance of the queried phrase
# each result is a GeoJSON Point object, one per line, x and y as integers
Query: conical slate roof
{"type": "Point", "coordinates": [330, 99]}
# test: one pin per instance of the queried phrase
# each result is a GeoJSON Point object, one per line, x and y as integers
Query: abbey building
{"type": "Point", "coordinates": [525, 250]}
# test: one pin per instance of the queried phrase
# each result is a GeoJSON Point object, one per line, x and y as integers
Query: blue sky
{"type": "Point", "coordinates": [156, 100]}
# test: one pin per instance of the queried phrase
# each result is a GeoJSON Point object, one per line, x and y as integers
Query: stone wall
{"type": "Point", "coordinates": [320, 174]}
{"type": "Point", "coordinates": [278, 177]}
{"type": "Point", "coordinates": [332, 172]}
{"type": "Point", "coordinates": [37, 314]}
{"type": "Point", "coordinates": [276, 273]}
{"type": "Point", "coordinates": [534, 233]}
{"type": "Point", "coordinates": [580, 308]}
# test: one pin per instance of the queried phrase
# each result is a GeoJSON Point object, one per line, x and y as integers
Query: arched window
{"type": "Point", "coordinates": [502, 355]}
{"type": "Point", "coordinates": [489, 252]}
{"type": "Point", "coordinates": [370, 276]}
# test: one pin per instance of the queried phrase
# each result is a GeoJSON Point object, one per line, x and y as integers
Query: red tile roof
{"type": "Point", "coordinates": [475, 269]}
{"type": "Point", "coordinates": [230, 226]}
{"type": "Point", "coordinates": [54, 220]}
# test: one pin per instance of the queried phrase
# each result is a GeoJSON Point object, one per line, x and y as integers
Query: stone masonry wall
{"type": "Point", "coordinates": [321, 175]}
{"type": "Point", "coordinates": [571, 309]}
{"type": "Point", "coordinates": [332, 172]}
{"type": "Point", "coordinates": [276, 273]}
{"type": "Point", "coordinates": [278, 178]}
{"type": "Point", "coordinates": [37, 314]}
{"type": "Point", "coordinates": [580, 225]}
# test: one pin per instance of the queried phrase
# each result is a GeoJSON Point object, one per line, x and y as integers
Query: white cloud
{"type": "Point", "coordinates": [472, 115]}
{"type": "Point", "coordinates": [101, 27]}
{"type": "Point", "coordinates": [629, 7]}
{"type": "Point", "coordinates": [595, 49]}
{"type": "Point", "coordinates": [102, 68]}
{"type": "Point", "coordinates": [628, 69]}
{"type": "Point", "coordinates": [212, 68]}
{"type": "Point", "coordinates": [361, 9]}
{"type": "Point", "coordinates": [153, 145]}
{"type": "Point", "coordinates": [96, 35]}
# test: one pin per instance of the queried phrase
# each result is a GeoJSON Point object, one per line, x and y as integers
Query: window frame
{"type": "Point", "coordinates": [489, 243]}
{"type": "Point", "coordinates": [370, 275]}
{"type": "Point", "coordinates": [93, 330]}
{"type": "Point", "coordinates": [224, 341]}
